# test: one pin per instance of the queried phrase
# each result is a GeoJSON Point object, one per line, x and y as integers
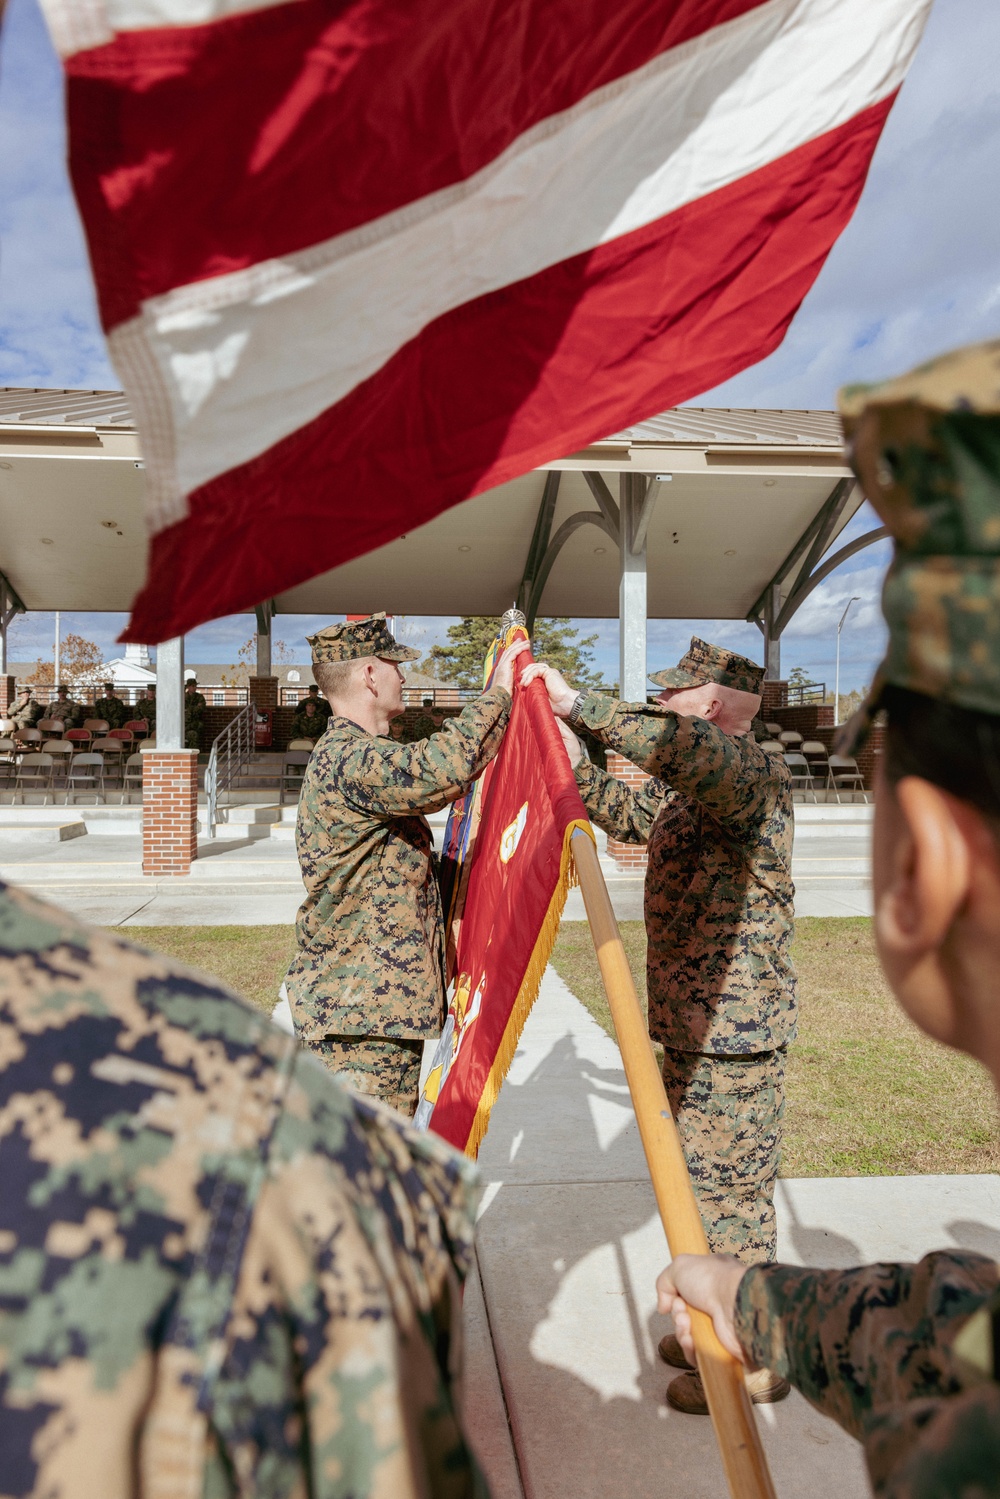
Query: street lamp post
{"type": "Point", "coordinates": [855, 599]}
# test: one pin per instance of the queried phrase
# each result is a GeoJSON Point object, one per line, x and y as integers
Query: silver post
{"type": "Point", "coordinates": [836, 681]}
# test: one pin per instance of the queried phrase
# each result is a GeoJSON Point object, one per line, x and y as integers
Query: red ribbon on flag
{"type": "Point", "coordinates": [521, 873]}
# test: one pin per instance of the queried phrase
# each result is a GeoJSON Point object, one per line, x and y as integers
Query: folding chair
{"type": "Point", "coordinates": [137, 727]}
{"type": "Point", "coordinates": [86, 773]}
{"type": "Point", "coordinates": [62, 751]}
{"type": "Point", "coordinates": [7, 726]}
{"type": "Point", "coordinates": [53, 727]}
{"type": "Point", "coordinates": [8, 761]}
{"type": "Point", "coordinates": [293, 769]}
{"type": "Point", "coordinates": [802, 778]}
{"type": "Point", "coordinates": [34, 773]}
{"type": "Point", "coordinates": [772, 746]}
{"type": "Point", "coordinates": [301, 744]}
{"type": "Point", "coordinates": [29, 736]}
{"type": "Point", "coordinates": [132, 776]}
{"type": "Point", "coordinates": [112, 751]}
{"type": "Point", "coordinates": [96, 725]}
{"type": "Point", "coordinates": [773, 728]}
{"type": "Point", "coordinates": [790, 737]}
{"type": "Point", "coordinates": [843, 774]}
{"type": "Point", "coordinates": [78, 737]}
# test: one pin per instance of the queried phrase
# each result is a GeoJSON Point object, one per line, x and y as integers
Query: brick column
{"type": "Point", "coordinates": [263, 692]}
{"type": "Point", "coordinates": [169, 811]}
{"type": "Point", "coordinates": [630, 857]}
{"type": "Point", "coordinates": [8, 692]}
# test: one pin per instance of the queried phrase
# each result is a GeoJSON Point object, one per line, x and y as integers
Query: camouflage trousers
{"type": "Point", "coordinates": [381, 1066]}
{"type": "Point", "coordinates": [729, 1111]}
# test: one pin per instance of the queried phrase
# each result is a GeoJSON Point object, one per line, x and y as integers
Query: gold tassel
{"type": "Point", "coordinates": [528, 992]}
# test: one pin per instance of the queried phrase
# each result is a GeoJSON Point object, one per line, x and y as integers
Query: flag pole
{"type": "Point", "coordinates": [728, 1402]}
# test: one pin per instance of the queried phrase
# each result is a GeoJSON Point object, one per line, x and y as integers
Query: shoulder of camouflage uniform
{"type": "Point", "coordinates": [137, 1060]}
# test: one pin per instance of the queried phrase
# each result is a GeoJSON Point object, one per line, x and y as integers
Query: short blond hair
{"type": "Point", "coordinates": [333, 678]}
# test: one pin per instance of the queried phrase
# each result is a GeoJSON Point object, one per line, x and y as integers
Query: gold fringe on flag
{"type": "Point", "coordinates": [528, 992]}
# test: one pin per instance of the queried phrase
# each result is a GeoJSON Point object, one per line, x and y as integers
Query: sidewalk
{"type": "Point", "coordinates": [564, 1391]}
{"type": "Point", "coordinates": [254, 880]}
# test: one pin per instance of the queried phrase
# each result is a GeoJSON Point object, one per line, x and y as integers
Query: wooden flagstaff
{"type": "Point", "coordinates": [728, 1402]}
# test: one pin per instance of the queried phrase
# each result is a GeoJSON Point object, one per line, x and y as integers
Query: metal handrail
{"type": "Point", "coordinates": [229, 756]}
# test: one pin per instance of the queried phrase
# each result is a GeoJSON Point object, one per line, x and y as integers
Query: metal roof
{"type": "Point", "coordinates": [683, 424]}
{"type": "Point", "coordinates": [70, 408]}
{"type": "Point", "coordinates": [738, 487]}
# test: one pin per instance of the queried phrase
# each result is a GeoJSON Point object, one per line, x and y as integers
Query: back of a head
{"type": "Point", "coordinates": [926, 448]}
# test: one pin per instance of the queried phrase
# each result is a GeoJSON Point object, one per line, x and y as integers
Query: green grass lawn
{"type": "Point", "coordinates": [868, 1095]}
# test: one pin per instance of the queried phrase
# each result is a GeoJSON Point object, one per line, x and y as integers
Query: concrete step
{"type": "Point", "coordinates": [40, 832]}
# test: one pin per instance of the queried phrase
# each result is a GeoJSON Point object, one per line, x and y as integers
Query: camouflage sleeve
{"type": "Point", "coordinates": [732, 778]}
{"type": "Point", "coordinates": [624, 812]}
{"type": "Point", "coordinates": [381, 777]}
{"type": "Point", "coordinates": [872, 1349]}
{"type": "Point", "coordinates": [361, 1240]}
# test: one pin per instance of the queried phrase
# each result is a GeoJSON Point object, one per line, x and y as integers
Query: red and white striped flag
{"type": "Point", "coordinates": [360, 259]}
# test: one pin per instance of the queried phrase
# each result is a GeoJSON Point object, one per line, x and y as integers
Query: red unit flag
{"type": "Point", "coordinates": [358, 260]}
{"type": "Point", "coordinates": [521, 872]}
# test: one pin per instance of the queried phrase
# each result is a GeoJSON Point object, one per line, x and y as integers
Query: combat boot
{"type": "Point", "coordinates": [687, 1393]}
{"type": "Point", "coordinates": [671, 1352]}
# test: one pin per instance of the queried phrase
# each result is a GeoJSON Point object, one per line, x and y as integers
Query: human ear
{"type": "Point", "coordinates": [923, 870]}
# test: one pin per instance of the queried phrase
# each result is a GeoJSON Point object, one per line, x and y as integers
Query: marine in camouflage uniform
{"type": "Point", "coordinates": [26, 710]}
{"type": "Point", "coordinates": [717, 820]}
{"type": "Point", "coordinates": [109, 707]}
{"type": "Point", "coordinates": [220, 1273]}
{"type": "Point", "coordinates": [907, 1357]}
{"type": "Point", "coordinates": [146, 708]}
{"type": "Point", "coordinates": [322, 705]}
{"type": "Point", "coordinates": [308, 725]}
{"type": "Point", "coordinates": [367, 986]}
{"type": "Point", "coordinates": [69, 713]}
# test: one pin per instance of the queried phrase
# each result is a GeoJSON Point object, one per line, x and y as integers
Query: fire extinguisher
{"type": "Point", "coordinates": [263, 732]}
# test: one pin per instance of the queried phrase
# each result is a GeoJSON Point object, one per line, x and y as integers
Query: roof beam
{"type": "Point", "coordinates": [605, 504]}
{"type": "Point", "coordinates": [540, 537]}
{"type": "Point", "coordinates": [581, 518]}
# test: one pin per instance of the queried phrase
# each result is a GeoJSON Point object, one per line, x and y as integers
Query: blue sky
{"type": "Point", "coordinates": [916, 272]}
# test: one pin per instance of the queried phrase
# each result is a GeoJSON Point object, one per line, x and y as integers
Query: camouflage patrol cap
{"type": "Point", "coordinates": [926, 450]}
{"type": "Point", "coordinates": [359, 638]}
{"type": "Point", "coordinates": [703, 663]}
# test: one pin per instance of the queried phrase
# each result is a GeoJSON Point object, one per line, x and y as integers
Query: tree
{"type": "Point", "coordinates": [81, 664]}
{"type": "Point", "coordinates": [245, 664]}
{"type": "Point", "coordinates": [799, 677]}
{"type": "Point", "coordinates": [554, 641]}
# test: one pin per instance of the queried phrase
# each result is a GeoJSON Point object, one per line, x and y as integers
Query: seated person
{"type": "Point", "coordinates": [309, 722]}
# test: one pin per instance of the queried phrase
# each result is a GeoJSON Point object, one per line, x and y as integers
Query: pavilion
{"type": "Point", "coordinates": [697, 513]}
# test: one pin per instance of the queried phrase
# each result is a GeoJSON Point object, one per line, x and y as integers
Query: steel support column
{"type": "Point", "coordinates": [633, 525]}
{"type": "Point", "coordinates": [170, 694]}
{"type": "Point", "coordinates": [265, 613]}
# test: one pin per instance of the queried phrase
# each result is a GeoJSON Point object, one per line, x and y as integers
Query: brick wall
{"type": "Point", "coordinates": [630, 857]}
{"type": "Point", "coordinates": [169, 811]}
{"type": "Point", "coordinates": [807, 720]}
{"type": "Point", "coordinates": [774, 694]}
{"type": "Point", "coordinates": [8, 692]}
{"type": "Point", "coordinates": [263, 691]}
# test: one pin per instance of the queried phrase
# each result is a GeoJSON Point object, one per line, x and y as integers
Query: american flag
{"type": "Point", "coordinates": [358, 260]}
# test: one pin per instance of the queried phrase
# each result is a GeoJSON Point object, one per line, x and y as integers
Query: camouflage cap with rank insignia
{"type": "Point", "coordinates": [703, 663]}
{"type": "Point", "coordinates": [926, 450]}
{"type": "Point", "coordinates": [359, 638]}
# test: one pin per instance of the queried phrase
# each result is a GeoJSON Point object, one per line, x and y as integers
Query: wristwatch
{"type": "Point", "coordinates": [574, 712]}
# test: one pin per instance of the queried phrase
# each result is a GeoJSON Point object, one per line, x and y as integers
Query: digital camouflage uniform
{"type": "Point", "coordinates": [370, 963]}
{"type": "Point", "coordinates": [907, 1357]}
{"type": "Point", "coordinates": [146, 708]}
{"type": "Point", "coordinates": [717, 820]}
{"type": "Point", "coordinates": [69, 713]}
{"type": "Point", "coordinates": [308, 725]}
{"type": "Point", "coordinates": [26, 712]}
{"type": "Point", "coordinates": [111, 709]}
{"type": "Point", "coordinates": [221, 1274]}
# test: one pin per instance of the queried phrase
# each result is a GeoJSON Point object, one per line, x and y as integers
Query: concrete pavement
{"type": "Point", "coordinates": [250, 876]}
{"type": "Point", "coordinates": [565, 1393]}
